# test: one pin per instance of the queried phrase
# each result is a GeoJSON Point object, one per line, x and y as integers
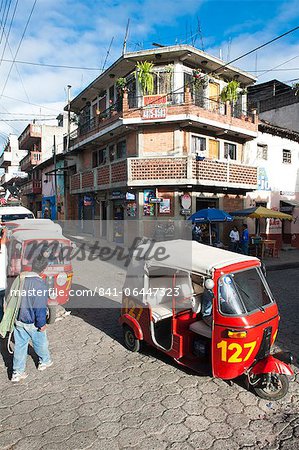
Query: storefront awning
{"type": "Point", "coordinates": [291, 203]}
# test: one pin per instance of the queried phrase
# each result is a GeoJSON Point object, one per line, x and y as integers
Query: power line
{"type": "Point", "coordinates": [26, 120]}
{"type": "Point", "coordinates": [230, 62]}
{"type": "Point", "coordinates": [32, 104]}
{"type": "Point", "coordinates": [5, 20]}
{"type": "Point", "coordinates": [20, 43]}
{"type": "Point", "coordinates": [9, 29]}
{"type": "Point", "coordinates": [25, 114]}
{"type": "Point", "coordinates": [257, 48]}
{"type": "Point", "coordinates": [56, 66]}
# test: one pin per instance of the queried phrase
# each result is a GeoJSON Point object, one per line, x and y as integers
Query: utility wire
{"type": "Point", "coordinates": [32, 104]}
{"type": "Point", "coordinates": [20, 43]}
{"type": "Point", "coordinates": [230, 62]}
{"type": "Point", "coordinates": [257, 48]}
{"type": "Point", "coordinates": [5, 20]}
{"type": "Point", "coordinates": [56, 66]}
{"type": "Point", "coordinates": [8, 33]}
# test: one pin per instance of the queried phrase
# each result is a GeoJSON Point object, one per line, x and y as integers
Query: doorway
{"type": "Point", "coordinates": [104, 219]}
{"type": "Point", "coordinates": [214, 94]}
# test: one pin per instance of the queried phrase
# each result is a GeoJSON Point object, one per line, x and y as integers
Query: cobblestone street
{"type": "Point", "coordinates": [99, 395]}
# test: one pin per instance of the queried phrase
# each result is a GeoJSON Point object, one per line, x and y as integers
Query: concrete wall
{"type": "Point", "coordinates": [286, 116]}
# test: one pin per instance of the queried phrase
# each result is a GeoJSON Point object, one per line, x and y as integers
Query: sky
{"type": "Point", "coordinates": [79, 33]}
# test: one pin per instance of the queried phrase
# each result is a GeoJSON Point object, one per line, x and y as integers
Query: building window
{"type": "Point", "coordinates": [286, 156]}
{"type": "Point", "coordinates": [95, 159]}
{"type": "Point", "coordinates": [121, 149]}
{"type": "Point", "coordinates": [230, 150]}
{"type": "Point", "coordinates": [262, 151]}
{"type": "Point", "coordinates": [102, 156]}
{"type": "Point", "coordinates": [198, 144]}
{"type": "Point", "coordinates": [111, 150]}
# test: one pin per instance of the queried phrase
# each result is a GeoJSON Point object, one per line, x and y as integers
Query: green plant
{"type": "Point", "coordinates": [121, 83]}
{"type": "Point", "coordinates": [295, 86]}
{"type": "Point", "coordinates": [200, 80]}
{"type": "Point", "coordinates": [144, 75]}
{"type": "Point", "coordinates": [230, 92]}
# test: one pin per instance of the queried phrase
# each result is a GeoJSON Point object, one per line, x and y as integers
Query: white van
{"type": "Point", "coordinates": [10, 213]}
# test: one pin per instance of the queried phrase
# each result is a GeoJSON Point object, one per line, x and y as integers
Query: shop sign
{"type": "Point", "coordinates": [186, 212]}
{"type": "Point", "coordinates": [130, 196]}
{"type": "Point", "coordinates": [186, 201]}
{"type": "Point", "coordinates": [156, 200]}
{"type": "Point", "coordinates": [87, 200]}
{"type": "Point", "coordinates": [118, 195]}
{"type": "Point", "coordinates": [288, 193]}
{"type": "Point", "coordinates": [263, 181]}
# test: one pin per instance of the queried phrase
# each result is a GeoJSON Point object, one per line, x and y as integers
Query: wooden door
{"type": "Point", "coordinates": [214, 95]}
{"type": "Point", "coordinates": [213, 149]}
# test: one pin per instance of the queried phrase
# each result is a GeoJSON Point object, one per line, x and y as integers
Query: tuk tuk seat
{"type": "Point", "coordinates": [200, 327]}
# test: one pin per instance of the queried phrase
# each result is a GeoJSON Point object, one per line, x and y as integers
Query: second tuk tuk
{"type": "Point", "coordinates": [167, 287]}
{"type": "Point", "coordinates": [25, 245]}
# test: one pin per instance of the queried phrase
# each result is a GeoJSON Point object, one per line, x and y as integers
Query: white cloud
{"type": "Point", "coordinates": [76, 32]}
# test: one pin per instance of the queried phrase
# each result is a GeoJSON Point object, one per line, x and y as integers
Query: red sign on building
{"type": "Point", "coordinates": [154, 107]}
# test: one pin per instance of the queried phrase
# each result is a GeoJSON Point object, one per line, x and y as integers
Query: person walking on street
{"type": "Point", "coordinates": [234, 239]}
{"type": "Point", "coordinates": [245, 240]}
{"type": "Point", "coordinates": [1, 235]}
{"type": "Point", "coordinates": [31, 322]}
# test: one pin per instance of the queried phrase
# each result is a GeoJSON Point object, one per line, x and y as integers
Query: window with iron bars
{"type": "Point", "coordinates": [286, 156]}
{"type": "Point", "coordinates": [262, 151]}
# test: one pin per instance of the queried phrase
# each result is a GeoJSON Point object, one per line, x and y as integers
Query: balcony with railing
{"type": "Point", "coordinates": [32, 187]}
{"type": "Point", "coordinates": [161, 171]}
{"type": "Point", "coordinates": [31, 159]}
{"type": "Point", "coordinates": [31, 134]}
{"type": "Point", "coordinates": [179, 106]}
{"type": "Point", "coordinates": [93, 125]}
{"type": "Point", "coordinates": [5, 159]}
{"type": "Point", "coordinates": [194, 105]}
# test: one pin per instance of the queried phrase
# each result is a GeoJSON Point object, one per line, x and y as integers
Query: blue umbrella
{"type": "Point", "coordinates": [210, 215]}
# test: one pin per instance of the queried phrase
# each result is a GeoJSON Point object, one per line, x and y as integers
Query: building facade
{"type": "Point", "coordinates": [276, 154]}
{"type": "Point", "coordinates": [10, 162]}
{"type": "Point", "coordinates": [137, 156]}
{"type": "Point", "coordinates": [39, 142]}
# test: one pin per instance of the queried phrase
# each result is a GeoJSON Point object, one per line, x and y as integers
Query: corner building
{"type": "Point", "coordinates": [136, 156]}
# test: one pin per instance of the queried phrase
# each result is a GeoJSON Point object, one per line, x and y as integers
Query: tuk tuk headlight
{"type": "Point", "coordinates": [61, 279]}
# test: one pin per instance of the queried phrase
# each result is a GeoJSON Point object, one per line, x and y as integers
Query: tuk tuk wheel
{"type": "Point", "coordinates": [131, 342]}
{"type": "Point", "coordinates": [51, 314]}
{"type": "Point", "coordinates": [273, 388]}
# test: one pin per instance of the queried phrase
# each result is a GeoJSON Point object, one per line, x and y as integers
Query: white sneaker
{"type": "Point", "coordinates": [44, 366]}
{"type": "Point", "coordinates": [16, 377]}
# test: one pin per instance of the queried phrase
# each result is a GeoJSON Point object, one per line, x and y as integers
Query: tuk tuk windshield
{"type": "Point", "coordinates": [243, 292]}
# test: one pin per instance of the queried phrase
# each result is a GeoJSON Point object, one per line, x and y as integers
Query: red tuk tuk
{"type": "Point", "coordinates": [25, 245]}
{"type": "Point", "coordinates": [162, 306]}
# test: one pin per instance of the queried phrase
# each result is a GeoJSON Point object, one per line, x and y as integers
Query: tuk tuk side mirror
{"type": "Point", "coordinates": [209, 284]}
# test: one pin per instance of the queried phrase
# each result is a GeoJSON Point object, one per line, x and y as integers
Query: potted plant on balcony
{"type": "Point", "coordinates": [121, 86]}
{"type": "Point", "coordinates": [145, 77]}
{"type": "Point", "coordinates": [230, 92]}
{"type": "Point", "coordinates": [200, 79]}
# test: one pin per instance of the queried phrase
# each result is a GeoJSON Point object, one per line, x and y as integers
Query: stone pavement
{"type": "Point", "coordinates": [98, 395]}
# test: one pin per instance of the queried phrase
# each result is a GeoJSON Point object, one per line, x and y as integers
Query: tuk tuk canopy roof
{"type": "Point", "coordinates": [194, 257]}
{"type": "Point", "coordinates": [37, 234]}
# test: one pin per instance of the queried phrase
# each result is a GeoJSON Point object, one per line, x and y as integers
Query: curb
{"type": "Point", "coordinates": [270, 268]}
{"type": "Point", "coordinates": [283, 266]}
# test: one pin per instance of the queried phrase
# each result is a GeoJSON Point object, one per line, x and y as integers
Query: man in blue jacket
{"type": "Point", "coordinates": [31, 322]}
{"type": "Point", "coordinates": [245, 240]}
